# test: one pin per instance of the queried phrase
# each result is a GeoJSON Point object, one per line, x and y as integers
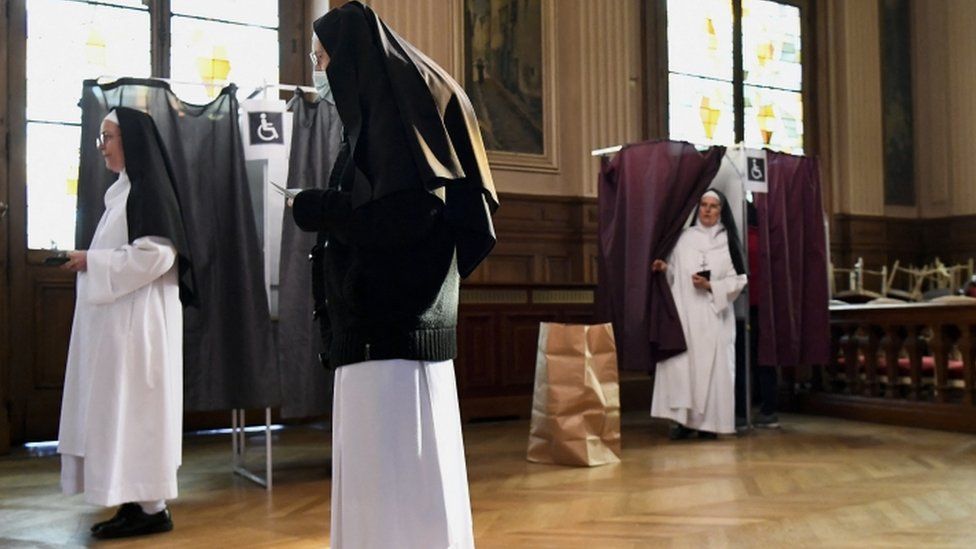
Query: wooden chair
{"type": "Point", "coordinates": [856, 292]}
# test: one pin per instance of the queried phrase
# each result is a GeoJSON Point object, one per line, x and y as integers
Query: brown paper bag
{"type": "Point", "coordinates": [576, 403]}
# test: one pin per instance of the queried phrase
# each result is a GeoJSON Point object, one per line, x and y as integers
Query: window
{"type": "Point", "coordinates": [714, 98]}
{"type": "Point", "coordinates": [108, 38]}
{"type": "Point", "coordinates": [211, 44]}
{"type": "Point", "coordinates": [221, 41]}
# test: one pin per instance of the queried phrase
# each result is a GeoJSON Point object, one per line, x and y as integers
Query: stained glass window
{"type": "Point", "coordinates": [103, 39]}
{"type": "Point", "coordinates": [773, 75]}
{"type": "Point", "coordinates": [773, 119]}
{"type": "Point", "coordinates": [700, 38]}
{"type": "Point", "coordinates": [701, 71]}
{"type": "Point", "coordinates": [215, 43]}
{"type": "Point", "coordinates": [701, 110]}
{"type": "Point", "coordinates": [703, 84]}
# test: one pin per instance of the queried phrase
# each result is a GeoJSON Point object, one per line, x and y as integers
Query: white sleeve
{"type": "Point", "coordinates": [115, 273]}
{"type": "Point", "coordinates": [672, 266]}
{"type": "Point", "coordinates": [726, 289]}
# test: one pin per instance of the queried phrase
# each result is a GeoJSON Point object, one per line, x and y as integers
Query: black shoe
{"type": "Point", "coordinates": [123, 511]}
{"type": "Point", "coordinates": [707, 435]}
{"type": "Point", "coordinates": [137, 524]}
{"type": "Point", "coordinates": [680, 432]}
{"type": "Point", "coordinates": [764, 421]}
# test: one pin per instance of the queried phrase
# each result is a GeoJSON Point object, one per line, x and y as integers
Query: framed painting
{"type": "Point", "coordinates": [507, 68]}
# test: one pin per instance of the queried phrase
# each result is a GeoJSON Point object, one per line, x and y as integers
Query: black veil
{"type": "Point", "coordinates": [409, 124]}
{"type": "Point", "coordinates": [153, 206]}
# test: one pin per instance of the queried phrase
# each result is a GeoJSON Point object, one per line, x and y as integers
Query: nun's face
{"type": "Point", "coordinates": [320, 58]}
{"type": "Point", "coordinates": [110, 145]}
{"type": "Point", "coordinates": [709, 211]}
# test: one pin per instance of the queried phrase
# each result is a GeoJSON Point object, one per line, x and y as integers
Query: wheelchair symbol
{"type": "Point", "coordinates": [757, 169]}
{"type": "Point", "coordinates": [266, 131]}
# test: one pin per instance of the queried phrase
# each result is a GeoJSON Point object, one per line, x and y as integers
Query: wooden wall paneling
{"type": "Point", "coordinates": [520, 340]}
{"type": "Point", "coordinates": [501, 267]}
{"type": "Point", "coordinates": [590, 251]}
{"type": "Point", "coordinates": [558, 269]}
{"type": "Point", "coordinates": [878, 240]}
{"type": "Point", "coordinates": [859, 236]}
{"type": "Point", "coordinates": [881, 240]}
{"type": "Point", "coordinates": [952, 239]}
{"type": "Point", "coordinates": [540, 240]}
{"type": "Point", "coordinates": [477, 352]}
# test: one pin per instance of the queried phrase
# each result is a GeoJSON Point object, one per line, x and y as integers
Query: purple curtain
{"type": "Point", "coordinates": [646, 193]}
{"type": "Point", "coordinates": [793, 298]}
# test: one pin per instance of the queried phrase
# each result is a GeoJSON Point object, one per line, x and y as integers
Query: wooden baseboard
{"type": "Point", "coordinates": [635, 394]}
{"type": "Point", "coordinates": [496, 407]}
{"type": "Point", "coordinates": [927, 415]}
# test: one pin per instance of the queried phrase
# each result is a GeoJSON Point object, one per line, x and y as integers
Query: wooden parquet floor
{"type": "Point", "coordinates": [817, 482]}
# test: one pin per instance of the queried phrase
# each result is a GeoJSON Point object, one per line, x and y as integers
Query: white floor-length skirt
{"type": "Point", "coordinates": [398, 472]}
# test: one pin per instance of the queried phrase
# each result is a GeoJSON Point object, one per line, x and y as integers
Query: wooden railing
{"type": "Point", "coordinates": [912, 363]}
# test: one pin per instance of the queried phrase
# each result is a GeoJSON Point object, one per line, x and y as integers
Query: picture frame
{"type": "Point", "coordinates": [506, 64]}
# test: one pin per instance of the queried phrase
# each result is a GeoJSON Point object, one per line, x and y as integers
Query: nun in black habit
{"type": "Point", "coordinates": [120, 436]}
{"type": "Point", "coordinates": [406, 215]}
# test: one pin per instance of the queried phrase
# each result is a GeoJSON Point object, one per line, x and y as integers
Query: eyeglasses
{"type": "Point", "coordinates": [315, 57]}
{"type": "Point", "coordinates": [103, 139]}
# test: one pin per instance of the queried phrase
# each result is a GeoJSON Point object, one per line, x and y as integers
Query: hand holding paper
{"type": "Point", "coordinates": [289, 194]}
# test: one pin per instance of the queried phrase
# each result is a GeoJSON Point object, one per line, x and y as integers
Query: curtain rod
{"type": "Point", "coordinates": [606, 150]}
{"type": "Point", "coordinates": [616, 148]}
{"type": "Point", "coordinates": [258, 89]}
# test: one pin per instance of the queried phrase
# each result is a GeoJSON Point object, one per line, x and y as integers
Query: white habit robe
{"type": "Point", "coordinates": [120, 437]}
{"type": "Point", "coordinates": [398, 472]}
{"type": "Point", "coordinates": [697, 387]}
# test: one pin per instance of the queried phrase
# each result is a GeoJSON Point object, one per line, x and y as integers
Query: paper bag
{"type": "Point", "coordinates": [576, 402]}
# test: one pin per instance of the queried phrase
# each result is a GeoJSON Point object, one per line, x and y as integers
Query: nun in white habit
{"type": "Point", "coordinates": [696, 389]}
{"type": "Point", "coordinates": [121, 415]}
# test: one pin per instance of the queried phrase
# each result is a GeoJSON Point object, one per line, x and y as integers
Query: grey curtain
{"type": "Point", "coordinates": [315, 139]}
{"type": "Point", "coordinates": [229, 358]}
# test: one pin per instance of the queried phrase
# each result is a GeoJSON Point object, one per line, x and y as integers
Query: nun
{"type": "Point", "coordinates": [406, 214]}
{"type": "Point", "coordinates": [705, 271]}
{"type": "Point", "coordinates": [121, 415]}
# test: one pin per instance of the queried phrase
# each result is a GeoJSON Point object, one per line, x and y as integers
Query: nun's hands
{"type": "Point", "coordinates": [77, 261]}
{"type": "Point", "coordinates": [659, 266]}
{"type": "Point", "coordinates": [701, 282]}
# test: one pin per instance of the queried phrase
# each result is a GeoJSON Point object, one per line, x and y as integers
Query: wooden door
{"type": "Point", "coordinates": [4, 236]}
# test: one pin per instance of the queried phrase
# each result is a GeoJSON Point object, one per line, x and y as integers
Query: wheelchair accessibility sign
{"type": "Point", "coordinates": [757, 178]}
{"type": "Point", "coordinates": [265, 128]}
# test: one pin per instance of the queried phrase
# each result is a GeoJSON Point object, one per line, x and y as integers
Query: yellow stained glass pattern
{"type": "Point", "coordinates": [215, 53]}
{"type": "Point", "coordinates": [701, 110]}
{"type": "Point", "coordinates": [771, 45]}
{"type": "Point", "coordinates": [773, 119]}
